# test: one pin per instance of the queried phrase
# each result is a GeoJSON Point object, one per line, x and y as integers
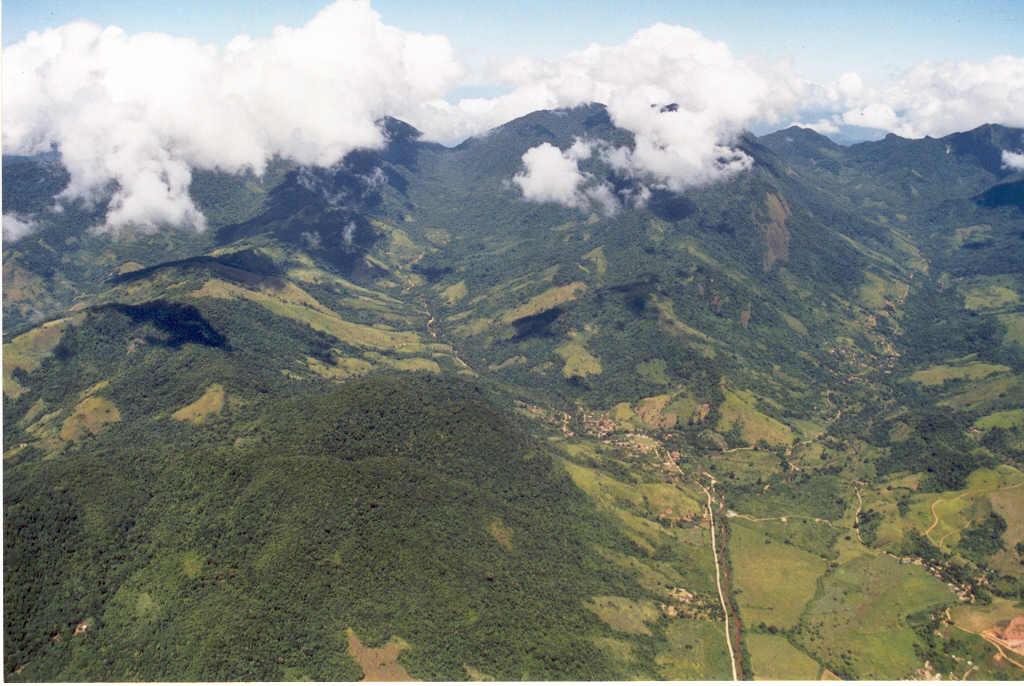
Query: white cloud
{"type": "Point", "coordinates": [140, 111]}
{"type": "Point", "coordinates": [143, 110]}
{"type": "Point", "coordinates": [1013, 161]}
{"type": "Point", "coordinates": [16, 227]}
{"type": "Point", "coordinates": [136, 113]}
{"type": "Point", "coordinates": [551, 175]}
{"type": "Point", "coordinates": [684, 96]}
{"type": "Point", "coordinates": [939, 98]}
{"type": "Point", "coordinates": [581, 149]}
{"type": "Point", "coordinates": [873, 116]}
{"type": "Point", "coordinates": [849, 86]}
{"type": "Point", "coordinates": [602, 197]}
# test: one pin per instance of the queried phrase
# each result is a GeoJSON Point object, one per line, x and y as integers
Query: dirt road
{"type": "Point", "coordinates": [718, 577]}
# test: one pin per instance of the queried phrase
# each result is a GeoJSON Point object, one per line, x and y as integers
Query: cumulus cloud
{"type": "Point", "coordinates": [684, 96]}
{"type": "Point", "coordinates": [848, 86]}
{"type": "Point", "coordinates": [16, 227]}
{"type": "Point", "coordinates": [1013, 161]}
{"type": "Point", "coordinates": [873, 116]}
{"type": "Point", "coordinates": [550, 176]}
{"type": "Point", "coordinates": [939, 98]}
{"type": "Point", "coordinates": [135, 113]}
{"type": "Point", "coordinates": [553, 175]}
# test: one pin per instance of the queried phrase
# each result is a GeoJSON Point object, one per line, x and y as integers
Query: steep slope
{"type": "Point", "coordinates": [948, 437]}
{"type": "Point", "coordinates": [825, 351]}
{"type": "Point", "coordinates": [724, 281]}
{"type": "Point", "coordinates": [62, 260]}
{"type": "Point", "coordinates": [176, 379]}
{"type": "Point", "coordinates": [406, 507]}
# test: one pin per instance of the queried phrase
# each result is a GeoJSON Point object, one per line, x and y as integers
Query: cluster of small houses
{"type": "Point", "coordinates": [601, 425]}
{"type": "Point", "coordinates": [963, 593]}
{"type": "Point", "coordinates": [682, 603]}
{"type": "Point", "coordinates": [669, 518]}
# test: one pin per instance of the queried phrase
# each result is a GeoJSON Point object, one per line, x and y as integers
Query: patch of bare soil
{"type": "Point", "coordinates": [1011, 636]}
{"type": "Point", "coordinates": [379, 664]}
{"type": "Point", "coordinates": [501, 533]}
{"type": "Point", "coordinates": [774, 231]}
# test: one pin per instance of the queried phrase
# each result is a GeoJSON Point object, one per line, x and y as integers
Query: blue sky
{"type": "Point", "coordinates": [824, 39]}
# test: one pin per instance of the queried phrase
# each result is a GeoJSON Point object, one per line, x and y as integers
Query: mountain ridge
{"type": "Point", "coordinates": [823, 349]}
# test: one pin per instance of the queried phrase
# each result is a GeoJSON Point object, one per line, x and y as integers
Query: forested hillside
{"type": "Point", "coordinates": [390, 416]}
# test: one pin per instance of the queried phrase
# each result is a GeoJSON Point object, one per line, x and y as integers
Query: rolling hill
{"type": "Point", "coordinates": [391, 411]}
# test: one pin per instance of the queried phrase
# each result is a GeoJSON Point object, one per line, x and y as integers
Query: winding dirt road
{"type": "Point", "coordinates": [935, 515]}
{"type": "Point", "coordinates": [992, 640]}
{"type": "Point", "coordinates": [781, 518]}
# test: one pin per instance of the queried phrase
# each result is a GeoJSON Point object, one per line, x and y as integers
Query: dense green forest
{"type": "Point", "coordinates": [365, 506]}
{"type": "Point", "coordinates": [391, 406]}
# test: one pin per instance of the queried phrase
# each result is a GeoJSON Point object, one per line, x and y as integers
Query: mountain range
{"type": "Point", "coordinates": [390, 419]}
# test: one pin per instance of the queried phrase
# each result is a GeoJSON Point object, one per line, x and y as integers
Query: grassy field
{"type": "Point", "coordinates": [598, 260]}
{"type": "Point", "coordinates": [661, 519]}
{"type": "Point", "coordinates": [1009, 504]}
{"type": "Point", "coordinates": [794, 323]}
{"type": "Point", "coordinates": [805, 534]}
{"type": "Point", "coordinates": [966, 234]}
{"type": "Point", "coordinates": [773, 581]}
{"type": "Point", "coordinates": [656, 412]}
{"type": "Point", "coordinates": [650, 499]}
{"type": "Point", "coordinates": [89, 417]}
{"type": "Point", "coordinates": [294, 303]}
{"type": "Point", "coordinates": [545, 301]}
{"type": "Point", "coordinates": [27, 351]}
{"type": "Point", "coordinates": [739, 409]}
{"type": "Point", "coordinates": [636, 507]}
{"type": "Point", "coordinates": [985, 393]}
{"type": "Point", "coordinates": [1007, 419]}
{"type": "Point", "coordinates": [878, 290]}
{"type": "Point", "coordinates": [1014, 324]}
{"type": "Point", "coordinates": [893, 526]}
{"type": "Point", "coordinates": [822, 497]}
{"type": "Point", "coordinates": [745, 466]}
{"type": "Point", "coordinates": [672, 324]}
{"type": "Point", "coordinates": [856, 623]}
{"type": "Point", "coordinates": [992, 294]}
{"type": "Point", "coordinates": [579, 362]}
{"type": "Point", "coordinates": [501, 533]}
{"type": "Point", "coordinates": [696, 650]}
{"type": "Point", "coordinates": [623, 614]}
{"type": "Point", "coordinates": [455, 292]}
{"type": "Point", "coordinates": [942, 517]}
{"type": "Point", "coordinates": [941, 373]}
{"type": "Point", "coordinates": [977, 618]}
{"type": "Point", "coordinates": [343, 367]}
{"type": "Point", "coordinates": [209, 404]}
{"type": "Point", "coordinates": [773, 658]}
{"type": "Point", "coordinates": [653, 371]}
